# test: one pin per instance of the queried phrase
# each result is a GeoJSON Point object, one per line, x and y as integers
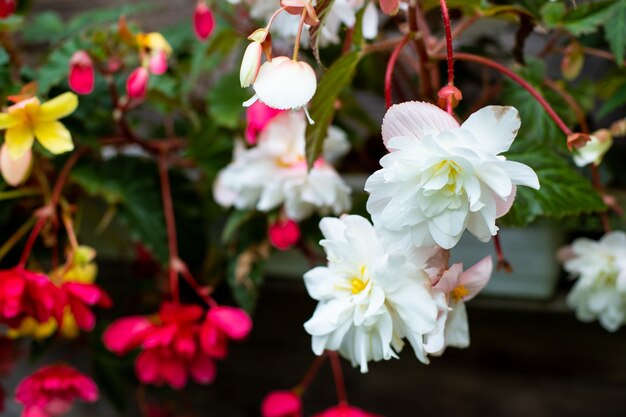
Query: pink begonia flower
{"type": "Point", "coordinates": [344, 410]}
{"type": "Point", "coordinates": [137, 83]}
{"type": "Point", "coordinates": [390, 7]}
{"type": "Point", "coordinates": [28, 294]}
{"type": "Point", "coordinates": [15, 171]}
{"type": "Point", "coordinates": [178, 343]}
{"type": "Point", "coordinates": [281, 404]}
{"type": "Point", "coordinates": [158, 63]}
{"type": "Point", "coordinates": [51, 391]}
{"type": "Point", "coordinates": [461, 286]}
{"type": "Point", "coordinates": [7, 8]}
{"type": "Point", "coordinates": [82, 76]}
{"type": "Point", "coordinates": [203, 21]}
{"type": "Point", "coordinates": [82, 295]}
{"type": "Point", "coordinates": [258, 116]}
{"type": "Point", "coordinates": [284, 233]}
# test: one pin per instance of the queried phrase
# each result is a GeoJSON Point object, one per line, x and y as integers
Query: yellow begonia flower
{"type": "Point", "coordinates": [30, 119]}
{"type": "Point", "coordinates": [154, 41]}
{"type": "Point", "coordinates": [29, 327]}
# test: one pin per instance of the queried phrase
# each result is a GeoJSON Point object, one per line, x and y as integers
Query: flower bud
{"type": "Point", "coordinates": [281, 404]}
{"type": "Point", "coordinates": [449, 92]}
{"type": "Point", "coordinates": [7, 8]}
{"type": "Point", "coordinates": [284, 234]}
{"type": "Point", "coordinates": [203, 21]}
{"type": "Point", "coordinates": [284, 84]}
{"type": "Point", "coordinates": [14, 171]}
{"type": "Point", "coordinates": [81, 78]}
{"type": "Point", "coordinates": [137, 83]}
{"type": "Point", "coordinates": [158, 62]}
{"type": "Point", "coordinates": [250, 64]}
{"type": "Point", "coordinates": [593, 150]}
{"type": "Point", "coordinates": [390, 7]}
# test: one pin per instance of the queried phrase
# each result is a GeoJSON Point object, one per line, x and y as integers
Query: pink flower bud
{"type": "Point", "coordinates": [284, 234]}
{"type": "Point", "coordinates": [203, 21]}
{"type": "Point", "coordinates": [14, 171]}
{"type": "Point", "coordinates": [82, 76]}
{"type": "Point", "coordinates": [137, 83]}
{"type": "Point", "coordinates": [7, 8]}
{"type": "Point", "coordinates": [281, 404]}
{"type": "Point", "coordinates": [250, 64]}
{"type": "Point", "coordinates": [158, 62]}
{"type": "Point", "coordinates": [390, 7]}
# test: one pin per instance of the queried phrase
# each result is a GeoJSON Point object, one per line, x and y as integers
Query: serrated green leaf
{"type": "Point", "coordinates": [338, 76]}
{"type": "Point", "coordinates": [564, 191]}
{"type": "Point", "coordinates": [582, 19]}
{"type": "Point", "coordinates": [615, 32]}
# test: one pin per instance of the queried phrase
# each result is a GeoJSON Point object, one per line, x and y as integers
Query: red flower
{"type": "Point", "coordinates": [203, 21]}
{"type": "Point", "coordinates": [178, 344]}
{"type": "Point", "coordinates": [284, 234]}
{"type": "Point", "coordinates": [51, 390]}
{"type": "Point", "coordinates": [28, 294]}
{"type": "Point", "coordinates": [281, 404]}
{"type": "Point", "coordinates": [344, 410]}
{"type": "Point", "coordinates": [137, 83]}
{"type": "Point", "coordinates": [79, 297]}
{"type": "Point", "coordinates": [7, 8]}
{"type": "Point", "coordinates": [82, 77]}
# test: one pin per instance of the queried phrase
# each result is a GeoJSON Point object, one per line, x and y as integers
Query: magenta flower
{"type": "Point", "coordinates": [258, 116]}
{"type": "Point", "coordinates": [137, 83]}
{"type": "Point", "coordinates": [284, 233]}
{"type": "Point", "coordinates": [51, 391]}
{"type": "Point", "coordinates": [7, 8]}
{"type": "Point", "coordinates": [82, 77]}
{"type": "Point", "coordinates": [344, 410]}
{"type": "Point", "coordinates": [28, 294]}
{"type": "Point", "coordinates": [203, 21]}
{"type": "Point", "coordinates": [80, 297]}
{"type": "Point", "coordinates": [281, 404]}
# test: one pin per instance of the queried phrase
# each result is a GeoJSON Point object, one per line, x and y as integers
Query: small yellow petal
{"type": "Point", "coordinates": [7, 121]}
{"type": "Point", "coordinates": [54, 137]}
{"type": "Point", "coordinates": [19, 140]}
{"type": "Point", "coordinates": [58, 107]}
{"type": "Point", "coordinates": [156, 42]}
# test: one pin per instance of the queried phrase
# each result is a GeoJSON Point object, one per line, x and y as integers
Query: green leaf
{"type": "Point", "coordinates": [245, 287]}
{"type": "Point", "coordinates": [322, 9]}
{"type": "Point", "coordinates": [236, 219]}
{"type": "Point", "coordinates": [225, 101]}
{"type": "Point", "coordinates": [564, 191]}
{"type": "Point", "coordinates": [56, 68]}
{"type": "Point", "coordinates": [615, 32]}
{"type": "Point", "coordinates": [49, 28]}
{"type": "Point", "coordinates": [132, 185]}
{"type": "Point", "coordinates": [582, 19]}
{"type": "Point", "coordinates": [615, 101]}
{"type": "Point", "coordinates": [99, 16]}
{"type": "Point", "coordinates": [338, 76]}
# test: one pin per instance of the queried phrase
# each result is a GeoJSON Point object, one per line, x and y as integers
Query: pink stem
{"type": "Point", "coordinates": [311, 373]}
{"type": "Point", "coordinates": [450, 54]}
{"type": "Point", "coordinates": [338, 377]}
{"type": "Point", "coordinates": [390, 67]}
{"type": "Point", "coordinates": [170, 221]}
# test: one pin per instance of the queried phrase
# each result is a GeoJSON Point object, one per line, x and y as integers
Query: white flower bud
{"type": "Point", "coordinates": [250, 64]}
{"type": "Point", "coordinates": [14, 171]}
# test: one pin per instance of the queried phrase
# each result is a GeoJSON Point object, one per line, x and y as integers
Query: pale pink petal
{"type": "Point", "coordinates": [390, 7]}
{"type": "Point", "coordinates": [15, 171]}
{"type": "Point", "coordinates": [503, 206]}
{"type": "Point", "coordinates": [450, 279]}
{"type": "Point", "coordinates": [475, 278]}
{"type": "Point", "coordinates": [494, 127]}
{"type": "Point", "coordinates": [158, 62]}
{"type": "Point", "coordinates": [235, 322]}
{"type": "Point", "coordinates": [413, 119]}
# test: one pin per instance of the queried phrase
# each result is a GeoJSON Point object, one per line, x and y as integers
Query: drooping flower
{"type": "Point", "coordinates": [157, 49]}
{"type": "Point", "coordinates": [281, 404]}
{"type": "Point", "coordinates": [15, 171]}
{"type": "Point", "coordinates": [178, 344]}
{"type": "Point", "coordinates": [371, 296]}
{"type": "Point", "coordinates": [441, 178]}
{"type": "Point", "coordinates": [461, 286]}
{"type": "Point", "coordinates": [284, 233]}
{"type": "Point", "coordinates": [284, 84]}
{"type": "Point", "coordinates": [82, 76]}
{"type": "Point", "coordinates": [258, 116]}
{"type": "Point", "coordinates": [7, 8]}
{"type": "Point", "coordinates": [600, 290]}
{"type": "Point", "coordinates": [250, 64]}
{"type": "Point", "coordinates": [594, 150]}
{"type": "Point", "coordinates": [137, 83]}
{"type": "Point", "coordinates": [275, 173]}
{"type": "Point", "coordinates": [26, 294]}
{"type": "Point", "coordinates": [30, 119]}
{"type": "Point", "coordinates": [345, 410]}
{"type": "Point", "coordinates": [52, 390]}
{"type": "Point", "coordinates": [203, 20]}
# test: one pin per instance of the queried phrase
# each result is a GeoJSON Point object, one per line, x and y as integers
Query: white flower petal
{"type": "Point", "coordinates": [494, 127]}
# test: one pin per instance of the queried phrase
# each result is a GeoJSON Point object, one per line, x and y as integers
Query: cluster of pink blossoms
{"type": "Point", "coordinates": [180, 342]}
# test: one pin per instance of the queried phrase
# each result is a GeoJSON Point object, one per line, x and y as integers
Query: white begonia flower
{"type": "Point", "coordinates": [441, 178]}
{"type": "Point", "coordinates": [275, 173]}
{"type": "Point", "coordinates": [600, 291]}
{"type": "Point", "coordinates": [370, 298]}
{"type": "Point", "coordinates": [461, 286]}
{"type": "Point", "coordinates": [594, 150]}
{"type": "Point", "coordinates": [284, 84]}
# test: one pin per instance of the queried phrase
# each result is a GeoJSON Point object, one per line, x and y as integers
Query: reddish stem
{"type": "Point", "coordinates": [523, 83]}
{"type": "Point", "coordinates": [170, 222]}
{"type": "Point", "coordinates": [448, 30]}
{"type": "Point", "coordinates": [335, 363]}
{"type": "Point", "coordinates": [390, 67]}
{"type": "Point", "coordinates": [597, 184]}
{"type": "Point", "coordinates": [310, 374]}
{"type": "Point", "coordinates": [420, 34]}
{"type": "Point", "coordinates": [502, 262]}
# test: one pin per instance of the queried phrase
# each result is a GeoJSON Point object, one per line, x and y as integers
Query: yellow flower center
{"type": "Point", "coordinates": [358, 283]}
{"type": "Point", "coordinates": [459, 293]}
{"type": "Point", "coordinates": [452, 170]}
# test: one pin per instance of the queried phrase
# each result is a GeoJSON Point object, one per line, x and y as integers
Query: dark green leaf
{"type": "Point", "coordinates": [322, 9]}
{"type": "Point", "coordinates": [582, 19]}
{"type": "Point", "coordinates": [225, 101]}
{"type": "Point", "coordinates": [49, 28]}
{"type": "Point", "coordinates": [338, 76]}
{"type": "Point", "coordinates": [615, 101]}
{"type": "Point", "coordinates": [615, 32]}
